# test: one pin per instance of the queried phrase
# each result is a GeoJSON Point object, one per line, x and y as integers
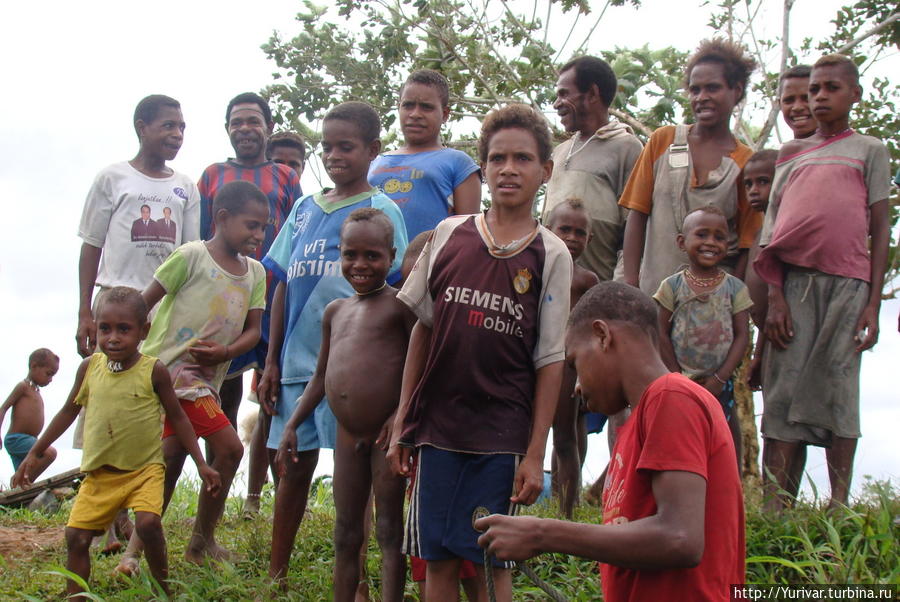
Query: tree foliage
{"type": "Point", "coordinates": [499, 51]}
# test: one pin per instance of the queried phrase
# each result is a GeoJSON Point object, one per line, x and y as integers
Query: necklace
{"type": "Point", "coordinates": [827, 136]}
{"type": "Point", "coordinates": [704, 282]}
{"type": "Point", "coordinates": [114, 367]}
{"type": "Point", "coordinates": [373, 291]}
{"type": "Point", "coordinates": [572, 151]}
{"type": "Point", "coordinates": [32, 384]}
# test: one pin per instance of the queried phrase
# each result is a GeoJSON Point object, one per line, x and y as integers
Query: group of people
{"type": "Point", "coordinates": [432, 343]}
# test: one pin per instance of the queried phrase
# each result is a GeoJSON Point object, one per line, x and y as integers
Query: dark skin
{"type": "Point", "coordinates": [705, 242]}
{"type": "Point", "coordinates": [603, 353]}
{"type": "Point", "coordinates": [160, 141]}
{"type": "Point", "coordinates": [363, 387]}
{"type": "Point", "coordinates": [114, 323]}
{"type": "Point", "coordinates": [346, 156]}
{"type": "Point", "coordinates": [27, 407]}
{"type": "Point", "coordinates": [832, 93]}
{"type": "Point", "coordinates": [709, 141]}
{"type": "Point", "coordinates": [573, 227]}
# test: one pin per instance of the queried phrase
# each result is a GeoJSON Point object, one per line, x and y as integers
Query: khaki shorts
{"type": "Point", "coordinates": [104, 492]}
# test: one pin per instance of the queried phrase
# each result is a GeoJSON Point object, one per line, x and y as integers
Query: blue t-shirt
{"type": "Point", "coordinates": [422, 184]}
{"type": "Point", "coordinates": [306, 256]}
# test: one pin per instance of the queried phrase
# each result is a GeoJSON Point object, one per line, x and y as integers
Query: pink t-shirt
{"type": "Point", "coordinates": [819, 214]}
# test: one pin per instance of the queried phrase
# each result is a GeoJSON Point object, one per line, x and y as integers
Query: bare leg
{"type": "Point", "coordinates": [502, 584]}
{"type": "Point", "coordinates": [228, 452]}
{"type": "Point", "coordinates": [362, 588]}
{"type": "Point", "coordinates": [442, 580]}
{"type": "Point", "coordinates": [470, 587]}
{"type": "Point", "coordinates": [148, 526]}
{"type": "Point", "coordinates": [389, 491]}
{"type": "Point", "coordinates": [174, 456]}
{"type": "Point", "coordinates": [581, 432]}
{"type": "Point", "coordinates": [840, 469]}
{"type": "Point", "coordinates": [734, 425]}
{"type": "Point", "coordinates": [352, 484]}
{"type": "Point", "coordinates": [230, 397]}
{"type": "Point", "coordinates": [78, 544]}
{"type": "Point", "coordinates": [795, 473]}
{"type": "Point", "coordinates": [778, 459]}
{"type": "Point", "coordinates": [290, 504]}
{"type": "Point", "coordinates": [261, 458]}
{"type": "Point", "coordinates": [565, 446]}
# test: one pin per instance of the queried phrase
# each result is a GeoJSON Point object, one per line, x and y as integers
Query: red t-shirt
{"type": "Point", "coordinates": [678, 425]}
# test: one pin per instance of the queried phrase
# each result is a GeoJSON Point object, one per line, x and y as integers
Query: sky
{"type": "Point", "coordinates": [72, 83]}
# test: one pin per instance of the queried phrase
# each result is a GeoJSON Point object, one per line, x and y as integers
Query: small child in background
{"type": "Point", "coordinates": [306, 261]}
{"type": "Point", "coordinates": [703, 326]}
{"type": "Point", "coordinates": [27, 407]}
{"type": "Point", "coordinates": [287, 148]}
{"type": "Point", "coordinates": [570, 221]}
{"type": "Point", "coordinates": [213, 296]}
{"type": "Point", "coordinates": [360, 367]}
{"type": "Point", "coordinates": [758, 175]}
{"type": "Point", "coordinates": [122, 391]}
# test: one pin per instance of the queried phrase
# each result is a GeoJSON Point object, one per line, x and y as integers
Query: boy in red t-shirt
{"type": "Point", "coordinates": [659, 513]}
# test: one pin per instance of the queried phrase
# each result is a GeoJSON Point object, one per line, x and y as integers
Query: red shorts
{"type": "Point", "coordinates": [205, 415]}
{"type": "Point", "coordinates": [417, 565]}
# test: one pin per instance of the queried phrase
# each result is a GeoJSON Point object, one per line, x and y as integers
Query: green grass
{"type": "Point", "coordinates": [804, 546]}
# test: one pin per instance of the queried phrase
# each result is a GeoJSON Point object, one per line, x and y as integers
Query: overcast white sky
{"type": "Point", "coordinates": [73, 73]}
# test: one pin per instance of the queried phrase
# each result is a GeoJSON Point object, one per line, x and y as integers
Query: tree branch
{"type": "Point", "coordinates": [766, 130]}
{"type": "Point", "coordinates": [856, 41]}
{"type": "Point", "coordinates": [634, 123]}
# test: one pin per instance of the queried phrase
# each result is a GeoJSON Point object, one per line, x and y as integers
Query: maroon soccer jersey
{"type": "Point", "coordinates": [497, 315]}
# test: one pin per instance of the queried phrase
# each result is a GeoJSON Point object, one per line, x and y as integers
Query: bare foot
{"type": "Point", "coordinates": [362, 592]}
{"type": "Point", "coordinates": [124, 526]}
{"type": "Point", "coordinates": [251, 506]}
{"type": "Point", "coordinates": [199, 553]}
{"type": "Point", "coordinates": [129, 566]}
{"type": "Point", "coordinates": [112, 547]}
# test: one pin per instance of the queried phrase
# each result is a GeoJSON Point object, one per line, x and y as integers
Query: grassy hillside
{"type": "Point", "coordinates": [804, 546]}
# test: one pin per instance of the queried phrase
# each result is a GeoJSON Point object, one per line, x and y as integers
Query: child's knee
{"type": "Point", "coordinates": [147, 525]}
{"type": "Point", "coordinates": [50, 454]}
{"type": "Point", "coordinates": [348, 536]}
{"type": "Point", "coordinates": [228, 448]}
{"type": "Point", "coordinates": [389, 532]}
{"type": "Point", "coordinates": [78, 540]}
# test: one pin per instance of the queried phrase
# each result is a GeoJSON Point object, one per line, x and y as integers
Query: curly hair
{"type": "Point", "coordinates": [616, 302]}
{"type": "Point", "coordinates": [361, 114]}
{"type": "Point", "coordinates": [430, 77]}
{"type": "Point", "coordinates": [736, 64]}
{"type": "Point", "coordinates": [839, 60]}
{"type": "Point", "coordinates": [516, 116]}
{"type": "Point", "coordinates": [42, 357]}
{"type": "Point", "coordinates": [373, 216]}
{"type": "Point", "coordinates": [128, 297]}
{"type": "Point", "coordinates": [590, 70]}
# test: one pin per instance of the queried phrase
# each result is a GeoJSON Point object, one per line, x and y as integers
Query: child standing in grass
{"type": "Point", "coordinates": [484, 366]}
{"type": "Point", "coordinates": [305, 259]}
{"type": "Point", "coordinates": [825, 246]}
{"type": "Point", "coordinates": [27, 407]}
{"type": "Point", "coordinates": [213, 296]}
{"type": "Point", "coordinates": [122, 391]}
{"type": "Point", "coordinates": [673, 512]}
{"type": "Point", "coordinates": [570, 221]}
{"type": "Point", "coordinates": [360, 367]}
{"type": "Point", "coordinates": [703, 322]}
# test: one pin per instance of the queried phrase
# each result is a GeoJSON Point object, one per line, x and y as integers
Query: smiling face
{"type": "Point", "coordinates": [570, 102]}
{"type": "Point", "coordinates": [572, 226]}
{"type": "Point", "coordinates": [705, 239]}
{"type": "Point", "coordinates": [421, 114]}
{"type": "Point", "coordinates": [758, 183]}
{"type": "Point", "coordinates": [243, 232]}
{"type": "Point", "coordinates": [712, 99]}
{"type": "Point", "coordinates": [832, 93]}
{"type": "Point", "coordinates": [366, 254]}
{"type": "Point", "coordinates": [513, 168]}
{"type": "Point", "coordinates": [248, 131]}
{"type": "Point", "coordinates": [344, 153]}
{"type": "Point", "coordinates": [794, 101]}
{"type": "Point", "coordinates": [118, 331]}
{"type": "Point", "coordinates": [163, 136]}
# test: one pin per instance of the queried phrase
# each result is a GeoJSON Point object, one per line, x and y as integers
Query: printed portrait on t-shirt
{"type": "Point", "coordinates": [143, 228]}
{"type": "Point", "coordinates": [166, 227]}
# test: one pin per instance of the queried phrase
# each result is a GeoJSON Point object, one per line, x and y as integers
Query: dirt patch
{"type": "Point", "coordinates": [28, 541]}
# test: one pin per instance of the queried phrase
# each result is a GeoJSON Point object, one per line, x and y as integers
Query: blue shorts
{"type": "Point", "coordinates": [17, 446]}
{"type": "Point", "coordinates": [594, 422]}
{"type": "Point", "coordinates": [726, 399]}
{"type": "Point", "coordinates": [449, 487]}
{"type": "Point", "coordinates": [255, 358]}
{"type": "Point", "coordinates": [319, 430]}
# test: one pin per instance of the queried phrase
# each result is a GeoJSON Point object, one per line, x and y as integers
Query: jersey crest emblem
{"type": "Point", "coordinates": [301, 221]}
{"type": "Point", "coordinates": [522, 281]}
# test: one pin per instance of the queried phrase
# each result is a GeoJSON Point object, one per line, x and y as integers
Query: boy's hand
{"type": "Point", "coordinates": [208, 353]}
{"type": "Point", "coordinates": [779, 326]}
{"type": "Point", "coordinates": [22, 478]}
{"type": "Point", "coordinates": [754, 374]}
{"type": "Point", "coordinates": [86, 335]}
{"type": "Point", "coordinates": [867, 325]}
{"type": "Point", "coordinates": [211, 477]}
{"type": "Point", "coordinates": [712, 384]}
{"type": "Point", "coordinates": [399, 458]}
{"type": "Point", "coordinates": [287, 450]}
{"type": "Point", "coordinates": [268, 387]}
{"type": "Point", "coordinates": [509, 537]}
{"type": "Point", "coordinates": [384, 437]}
{"type": "Point", "coordinates": [529, 481]}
